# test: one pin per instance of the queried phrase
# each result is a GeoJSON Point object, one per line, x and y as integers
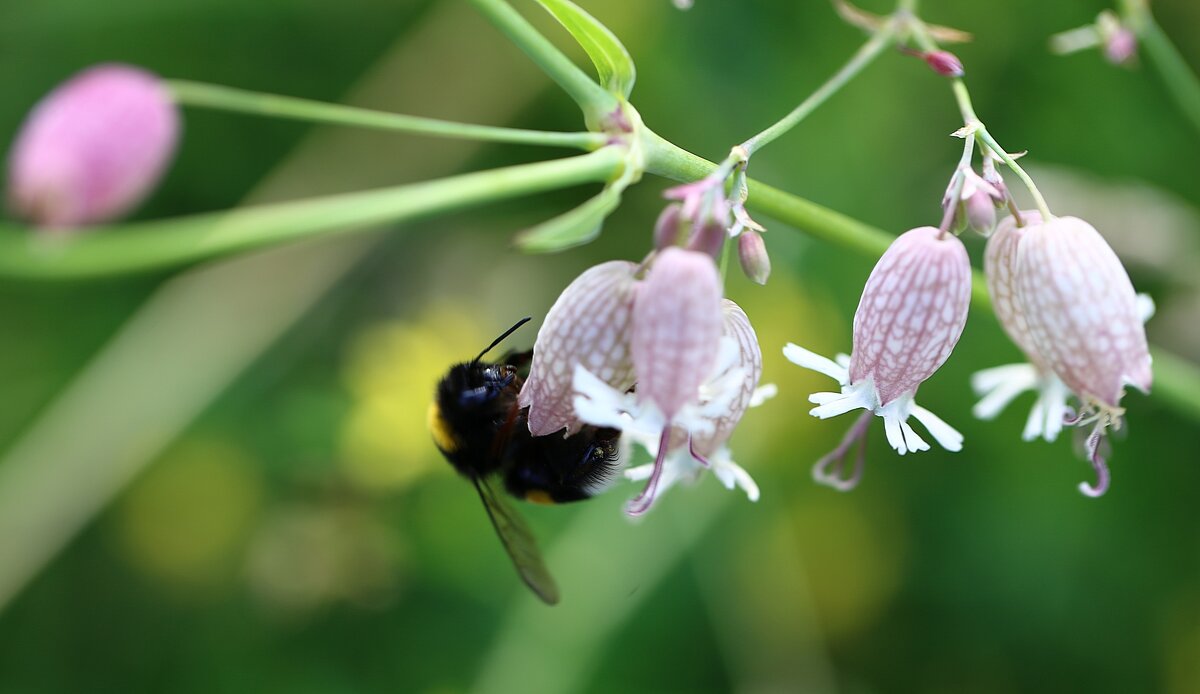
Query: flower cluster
{"type": "Point", "coordinates": [657, 353]}
{"type": "Point", "coordinates": [1058, 289]}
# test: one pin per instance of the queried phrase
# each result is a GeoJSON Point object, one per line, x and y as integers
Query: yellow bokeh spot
{"type": "Point", "coordinates": [391, 371]}
{"type": "Point", "coordinates": [188, 518]}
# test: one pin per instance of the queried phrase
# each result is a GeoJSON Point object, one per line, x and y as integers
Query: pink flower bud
{"type": "Point", "coordinates": [710, 228]}
{"type": "Point", "coordinates": [753, 254]}
{"type": "Point", "coordinates": [1120, 47]}
{"type": "Point", "coordinates": [669, 228]}
{"type": "Point", "coordinates": [944, 63]}
{"type": "Point", "coordinates": [1000, 267]}
{"type": "Point", "coordinates": [93, 148]}
{"type": "Point", "coordinates": [980, 212]}
{"type": "Point", "coordinates": [911, 313]}
{"type": "Point", "coordinates": [589, 325]}
{"type": "Point", "coordinates": [1081, 310]}
{"type": "Point", "coordinates": [676, 328]}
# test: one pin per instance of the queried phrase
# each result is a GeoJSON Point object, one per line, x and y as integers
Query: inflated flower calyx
{"type": "Point", "coordinates": [589, 325]}
{"type": "Point", "coordinates": [910, 317]}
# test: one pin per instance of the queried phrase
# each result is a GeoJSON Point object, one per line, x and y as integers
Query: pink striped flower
{"type": "Point", "coordinates": [697, 364]}
{"type": "Point", "coordinates": [1082, 311]}
{"type": "Point", "coordinates": [588, 326]}
{"type": "Point", "coordinates": [911, 314]}
{"type": "Point", "coordinates": [1066, 300]}
{"type": "Point", "coordinates": [93, 148]}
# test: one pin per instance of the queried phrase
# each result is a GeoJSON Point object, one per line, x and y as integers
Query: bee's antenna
{"type": "Point", "coordinates": [500, 339]}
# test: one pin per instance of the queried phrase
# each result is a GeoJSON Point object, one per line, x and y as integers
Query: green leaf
{"type": "Point", "coordinates": [613, 63]}
{"type": "Point", "coordinates": [574, 228]}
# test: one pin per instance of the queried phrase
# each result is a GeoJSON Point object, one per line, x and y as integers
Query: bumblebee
{"type": "Point", "coordinates": [478, 426]}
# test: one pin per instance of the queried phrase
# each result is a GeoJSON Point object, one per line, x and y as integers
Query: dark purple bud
{"type": "Point", "coordinates": [944, 63]}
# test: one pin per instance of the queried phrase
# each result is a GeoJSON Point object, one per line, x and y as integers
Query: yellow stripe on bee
{"type": "Point", "coordinates": [538, 496]}
{"type": "Point", "coordinates": [443, 436]}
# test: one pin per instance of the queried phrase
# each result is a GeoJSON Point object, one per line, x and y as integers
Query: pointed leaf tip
{"type": "Point", "coordinates": [613, 62]}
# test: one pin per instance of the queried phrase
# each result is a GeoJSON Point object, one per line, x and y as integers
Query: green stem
{"type": "Point", "coordinates": [883, 38]}
{"type": "Point", "coordinates": [963, 97]}
{"type": "Point", "coordinates": [1182, 82]}
{"type": "Point", "coordinates": [163, 243]}
{"type": "Point", "coordinates": [213, 96]}
{"type": "Point", "coordinates": [595, 101]}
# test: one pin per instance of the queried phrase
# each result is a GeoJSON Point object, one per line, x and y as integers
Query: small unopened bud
{"type": "Point", "coordinates": [709, 239]}
{"type": "Point", "coordinates": [668, 230]}
{"type": "Point", "coordinates": [1120, 47]}
{"type": "Point", "coordinates": [944, 63]}
{"type": "Point", "coordinates": [93, 148]}
{"type": "Point", "coordinates": [753, 254]}
{"type": "Point", "coordinates": [980, 212]}
{"type": "Point", "coordinates": [710, 229]}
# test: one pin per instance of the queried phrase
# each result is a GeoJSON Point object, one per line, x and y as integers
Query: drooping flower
{"type": "Point", "coordinates": [587, 326]}
{"type": "Point", "coordinates": [1084, 322]}
{"type": "Point", "coordinates": [1064, 298]}
{"type": "Point", "coordinates": [93, 148]}
{"type": "Point", "coordinates": [910, 317]}
{"type": "Point", "coordinates": [701, 427]}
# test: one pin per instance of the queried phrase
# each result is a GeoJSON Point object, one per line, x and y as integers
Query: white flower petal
{"type": "Point", "coordinates": [1145, 307]}
{"type": "Point", "coordinates": [815, 362]}
{"type": "Point", "coordinates": [1000, 385]}
{"type": "Point", "coordinates": [947, 436]}
{"type": "Point", "coordinates": [598, 403]}
{"type": "Point", "coordinates": [911, 439]}
{"type": "Point", "coordinates": [763, 393]}
{"type": "Point", "coordinates": [895, 437]}
{"type": "Point", "coordinates": [840, 403]}
{"type": "Point", "coordinates": [1046, 418]}
{"type": "Point", "coordinates": [731, 474]}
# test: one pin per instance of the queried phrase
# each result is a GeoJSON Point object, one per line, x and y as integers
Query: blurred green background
{"type": "Point", "coordinates": [242, 446]}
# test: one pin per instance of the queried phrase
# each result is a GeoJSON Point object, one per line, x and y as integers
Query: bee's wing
{"type": "Point", "coordinates": [518, 542]}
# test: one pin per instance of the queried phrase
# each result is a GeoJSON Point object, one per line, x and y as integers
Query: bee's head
{"type": "Point", "coordinates": [472, 385]}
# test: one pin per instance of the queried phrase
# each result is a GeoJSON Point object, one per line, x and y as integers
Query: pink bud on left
{"type": "Point", "coordinates": [93, 148]}
{"type": "Point", "coordinates": [677, 323]}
